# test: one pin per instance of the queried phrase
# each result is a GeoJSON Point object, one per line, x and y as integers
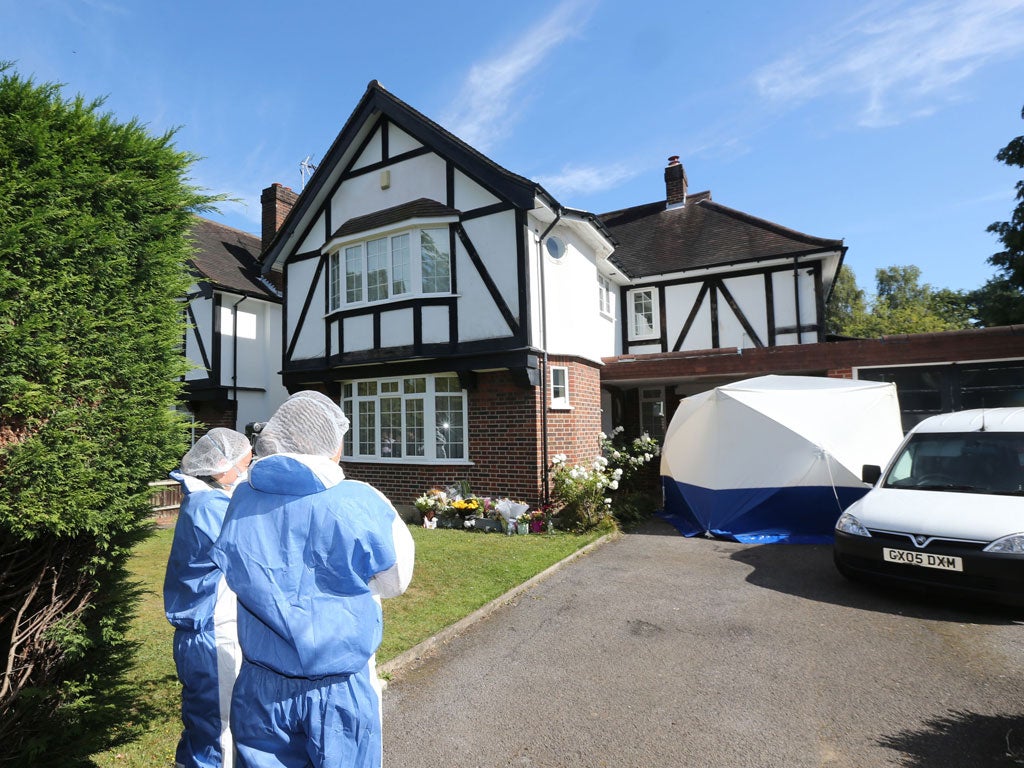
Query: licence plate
{"type": "Point", "coordinates": [924, 559]}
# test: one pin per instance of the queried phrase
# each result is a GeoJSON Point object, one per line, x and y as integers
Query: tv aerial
{"type": "Point", "coordinates": [306, 168]}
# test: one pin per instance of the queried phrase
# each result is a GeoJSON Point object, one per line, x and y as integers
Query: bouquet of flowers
{"type": "Point", "coordinates": [433, 502]}
{"type": "Point", "coordinates": [510, 510]}
{"type": "Point", "coordinates": [466, 507]}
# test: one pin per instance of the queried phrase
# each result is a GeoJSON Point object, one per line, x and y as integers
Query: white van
{"type": "Point", "coordinates": [948, 511]}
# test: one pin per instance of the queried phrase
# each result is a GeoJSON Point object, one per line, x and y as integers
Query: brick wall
{"type": "Point", "coordinates": [504, 447]}
{"type": "Point", "coordinates": [214, 413]}
{"type": "Point", "coordinates": [575, 432]}
{"type": "Point", "coordinates": [505, 440]}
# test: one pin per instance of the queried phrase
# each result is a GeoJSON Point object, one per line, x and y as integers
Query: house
{"type": "Point", "coordinates": [462, 315]}
{"type": "Point", "coordinates": [702, 278]}
{"type": "Point", "coordinates": [472, 326]}
{"type": "Point", "coordinates": [234, 333]}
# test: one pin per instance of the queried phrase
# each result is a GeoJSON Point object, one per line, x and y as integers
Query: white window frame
{"type": "Point", "coordinates": [559, 389]}
{"type": "Point", "coordinates": [654, 330]}
{"type": "Point", "coordinates": [403, 270]}
{"type": "Point", "coordinates": [421, 404]}
{"type": "Point", "coordinates": [657, 397]}
{"type": "Point", "coordinates": [605, 296]}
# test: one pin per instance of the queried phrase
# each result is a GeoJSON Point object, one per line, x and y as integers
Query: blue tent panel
{"type": "Point", "coordinates": [791, 515]}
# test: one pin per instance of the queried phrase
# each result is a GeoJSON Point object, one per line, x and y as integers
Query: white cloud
{"type": "Point", "coordinates": [903, 60]}
{"type": "Point", "coordinates": [586, 179]}
{"type": "Point", "coordinates": [483, 111]}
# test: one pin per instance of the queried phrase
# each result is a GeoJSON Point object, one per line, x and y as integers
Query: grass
{"type": "Point", "coordinates": [456, 573]}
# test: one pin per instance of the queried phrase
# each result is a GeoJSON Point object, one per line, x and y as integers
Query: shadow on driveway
{"type": "Point", "coordinates": [806, 570]}
{"type": "Point", "coordinates": [961, 740]}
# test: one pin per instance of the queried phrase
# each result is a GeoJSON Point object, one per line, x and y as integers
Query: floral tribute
{"type": "Point", "coordinates": [458, 507]}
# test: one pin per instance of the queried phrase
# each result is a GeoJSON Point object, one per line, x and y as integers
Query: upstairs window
{"type": "Point", "coordinates": [644, 319]}
{"type": "Point", "coordinates": [604, 295]}
{"type": "Point", "coordinates": [391, 267]}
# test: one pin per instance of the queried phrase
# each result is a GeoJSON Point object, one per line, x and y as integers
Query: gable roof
{"type": "Point", "coordinates": [653, 240]}
{"type": "Point", "coordinates": [228, 259]}
{"type": "Point", "coordinates": [377, 101]}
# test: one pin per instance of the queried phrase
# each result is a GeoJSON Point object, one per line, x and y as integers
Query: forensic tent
{"type": "Point", "coordinates": [775, 458]}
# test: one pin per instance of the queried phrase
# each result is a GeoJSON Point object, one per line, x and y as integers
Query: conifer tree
{"type": "Point", "coordinates": [94, 216]}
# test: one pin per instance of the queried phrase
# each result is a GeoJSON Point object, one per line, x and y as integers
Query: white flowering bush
{"type": "Point", "coordinates": [585, 492]}
{"type": "Point", "coordinates": [631, 456]}
{"type": "Point", "coordinates": [582, 491]}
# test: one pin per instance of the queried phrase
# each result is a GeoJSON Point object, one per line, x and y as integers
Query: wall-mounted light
{"type": "Point", "coordinates": [385, 179]}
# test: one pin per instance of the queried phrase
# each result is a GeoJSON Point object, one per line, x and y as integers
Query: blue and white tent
{"type": "Point", "coordinates": [775, 458]}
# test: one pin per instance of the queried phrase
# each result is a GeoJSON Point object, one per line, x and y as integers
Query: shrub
{"type": "Point", "coordinates": [590, 495]}
{"type": "Point", "coordinates": [94, 217]}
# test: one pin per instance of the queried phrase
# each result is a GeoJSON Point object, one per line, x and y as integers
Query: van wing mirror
{"type": "Point", "coordinates": [870, 473]}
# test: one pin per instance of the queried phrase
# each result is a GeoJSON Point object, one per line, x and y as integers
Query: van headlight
{"type": "Point", "coordinates": [1009, 545]}
{"type": "Point", "coordinates": [847, 523]}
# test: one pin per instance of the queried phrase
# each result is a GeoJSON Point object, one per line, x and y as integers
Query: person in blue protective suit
{"type": "Point", "coordinates": [309, 555]}
{"type": "Point", "coordinates": [198, 603]}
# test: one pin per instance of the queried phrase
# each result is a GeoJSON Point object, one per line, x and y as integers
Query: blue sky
{"type": "Point", "coordinates": [874, 122]}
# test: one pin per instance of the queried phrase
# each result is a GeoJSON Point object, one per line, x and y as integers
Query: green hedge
{"type": "Point", "coordinates": [94, 221]}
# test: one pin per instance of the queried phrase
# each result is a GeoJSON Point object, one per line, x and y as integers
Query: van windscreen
{"type": "Point", "coordinates": [972, 462]}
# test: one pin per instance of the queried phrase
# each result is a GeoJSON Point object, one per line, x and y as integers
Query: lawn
{"type": "Point", "coordinates": [456, 573]}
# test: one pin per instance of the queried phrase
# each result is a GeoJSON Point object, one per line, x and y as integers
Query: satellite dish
{"type": "Point", "coordinates": [556, 248]}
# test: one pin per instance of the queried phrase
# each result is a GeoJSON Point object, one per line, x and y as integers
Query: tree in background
{"type": "Point", "coordinates": [1010, 261]}
{"type": "Point", "coordinates": [998, 302]}
{"type": "Point", "coordinates": [847, 304]}
{"type": "Point", "coordinates": [94, 217]}
{"type": "Point", "coordinates": [901, 304]}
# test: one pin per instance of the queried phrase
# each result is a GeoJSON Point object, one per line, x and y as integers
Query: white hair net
{"type": "Point", "coordinates": [308, 422]}
{"type": "Point", "coordinates": [215, 453]}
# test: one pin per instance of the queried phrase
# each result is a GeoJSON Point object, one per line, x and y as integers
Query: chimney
{"type": "Point", "coordinates": [277, 203]}
{"type": "Point", "coordinates": [675, 183]}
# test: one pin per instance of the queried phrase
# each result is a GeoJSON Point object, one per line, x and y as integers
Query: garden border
{"type": "Point", "coordinates": [421, 651]}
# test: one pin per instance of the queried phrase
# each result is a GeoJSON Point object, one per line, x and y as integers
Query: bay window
{"type": "Point", "coordinates": [412, 417]}
{"type": "Point", "coordinates": [415, 262]}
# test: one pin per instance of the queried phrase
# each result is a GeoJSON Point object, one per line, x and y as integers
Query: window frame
{"type": "Point", "coordinates": [655, 325]}
{"type": "Point", "coordinates": [351, 283]}
{"type": "Point", "coordinates": [605, 296]}
{"type": "Point", "coordinates": [418, 401]}
{"type": "Point", "coordinates": [654, 395]}
{"type": "Point", "coordinates": [559, 402]}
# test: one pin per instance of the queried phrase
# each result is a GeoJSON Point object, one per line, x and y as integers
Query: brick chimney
{"type": "Point", "coordinates": [675, 183]}
{"type": "Point", "coordinates": [277, 201]}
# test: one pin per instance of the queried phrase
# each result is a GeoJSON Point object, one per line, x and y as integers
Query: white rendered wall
{"type": "Point", "coordinates": [574, 323]}
{"type": "Point", "coordinates": [749, 295]}
{"type": "Point", "coordinates": [494, 239]}
{"type": "Point", "coordinates": [258, 389]}
{"type": "Point", "coordinates": [679, 301]}
{"type": "Point", "coordinates": [311, 333]}
{"type": "Point", "coordinates": [418, 177]}
{"type": "Point", "coordinates": [202, 311]}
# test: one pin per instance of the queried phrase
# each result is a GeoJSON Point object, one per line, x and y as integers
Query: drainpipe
{"type": "Point", "coordinates": [234, 354]}
{"type": "Point", "coordinates": [796, 298]}
{"type": "Point", "coordinates": [544, 355]}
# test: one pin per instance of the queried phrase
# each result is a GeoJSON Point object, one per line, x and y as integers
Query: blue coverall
{"type": "Point", "coordinates": [202, 610]}
{"type": "Point", "coordinates": [305, 557]}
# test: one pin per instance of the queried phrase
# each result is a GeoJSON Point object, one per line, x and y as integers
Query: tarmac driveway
{"type": "Point", "coordinates": [656, 650]}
